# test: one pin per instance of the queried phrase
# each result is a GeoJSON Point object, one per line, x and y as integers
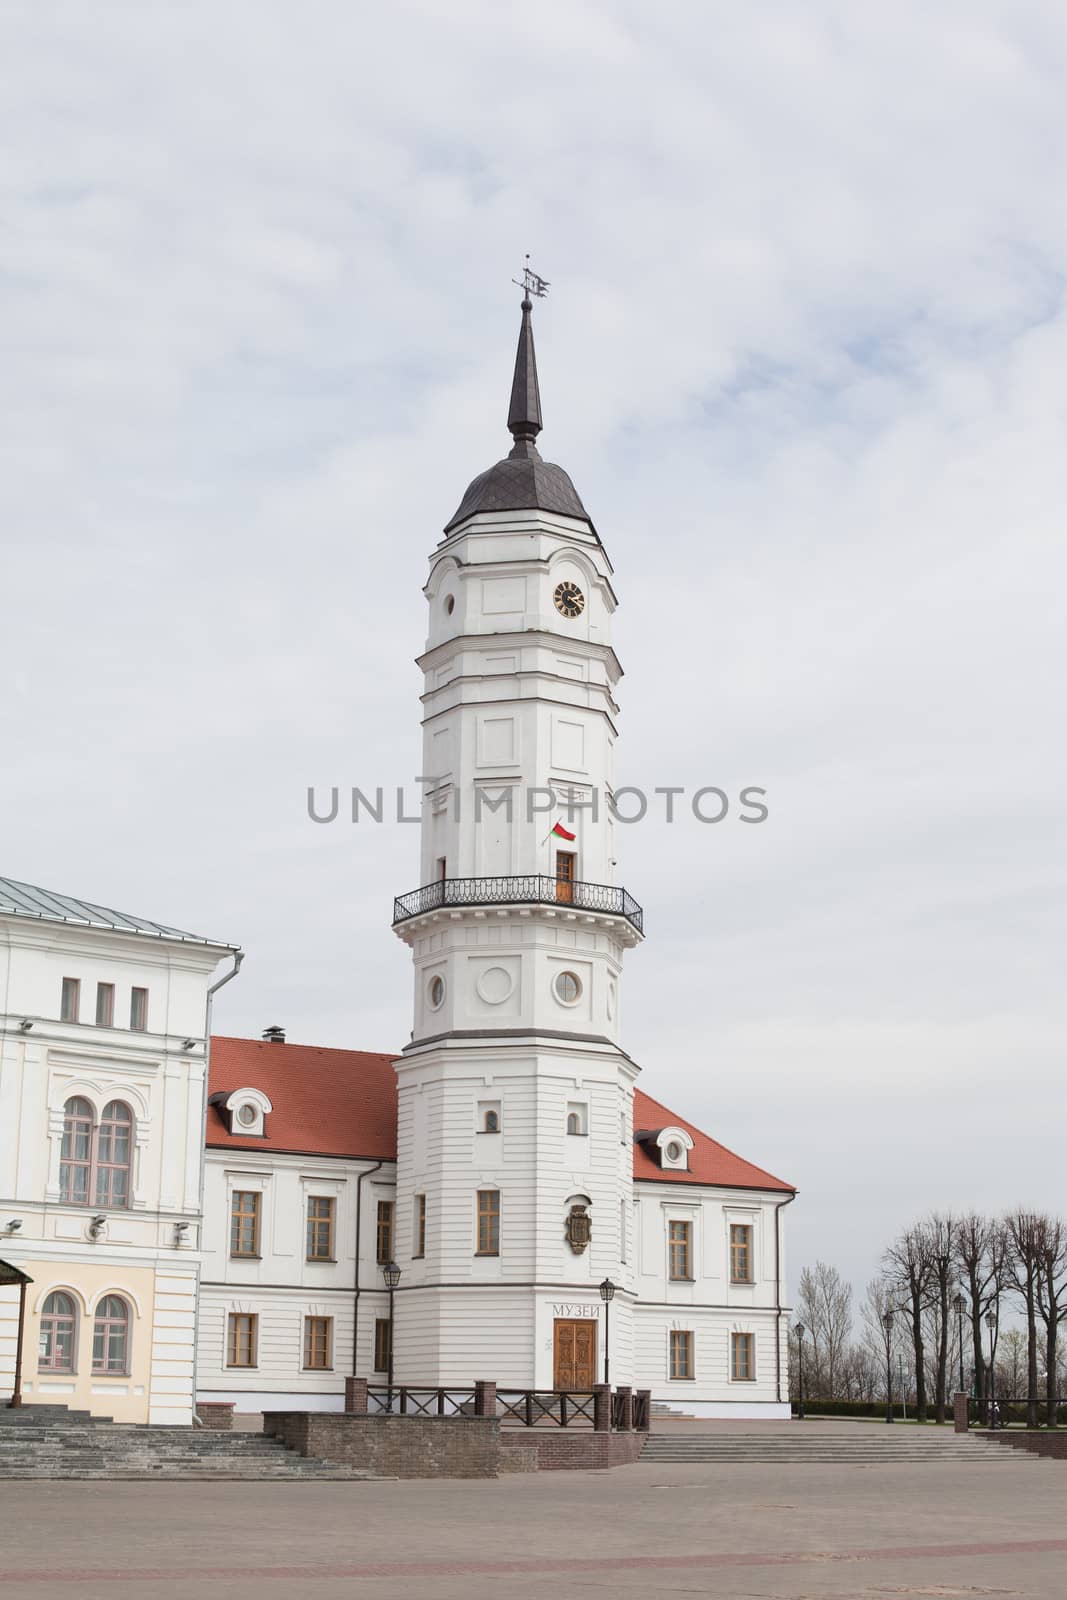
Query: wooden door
{"type": "Point", "coordinates": [565, 874]}
{"type": "Point", "coordinates": [574, 1353]}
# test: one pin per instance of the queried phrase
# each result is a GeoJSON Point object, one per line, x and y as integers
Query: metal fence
{"type": "Point", "coordinates": [527, 889]}
{"type": "Point", "coordinates": [522, 1408]}
{"type": "Point", "coordinates": [1015, 1413]}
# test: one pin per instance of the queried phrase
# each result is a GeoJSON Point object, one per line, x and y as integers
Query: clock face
{"type": "Point", "coordinates": [569, 599]}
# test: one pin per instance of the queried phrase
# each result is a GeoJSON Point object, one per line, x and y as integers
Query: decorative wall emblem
{"type": "Point", "coordinates": [579, 1228]}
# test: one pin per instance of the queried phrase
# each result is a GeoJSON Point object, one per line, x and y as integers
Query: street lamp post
{"type": "Point", "coordinates": [800, 1331]}
{"type": "Point", "coordinates": [391, 1273]}
{"type": "Point", "coordinates": [991, 1323]}
{"type": "Point", "coordinates": [960, 1303]}
{"type": "Point", "coordinates": [607, 1294]}
{"type": "Point", "coordinates": [887, 1323]}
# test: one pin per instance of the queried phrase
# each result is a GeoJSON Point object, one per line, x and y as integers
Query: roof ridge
{"type": "Point", "coordinates": [335, 1049]}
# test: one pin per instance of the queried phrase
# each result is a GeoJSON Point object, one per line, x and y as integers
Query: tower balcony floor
{"type": "Point", "coordinates": [540, 889]}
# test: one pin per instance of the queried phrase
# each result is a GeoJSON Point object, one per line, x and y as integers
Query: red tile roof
{"type": "Point", "coordinates": [343, 1103]}
{"type": "Point", "coordinates": [326, 1102]}
{"type": "Point", "coordinates": [709, 1161]}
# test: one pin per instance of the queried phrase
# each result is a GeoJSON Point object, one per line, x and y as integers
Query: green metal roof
{"type": "Point", "coordinates": [26, 900]}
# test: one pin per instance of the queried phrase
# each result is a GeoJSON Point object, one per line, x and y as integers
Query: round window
{"type": "Point", "coordinates": [568, 987]}
{"type": "Point", "coordinates": [674, 1151]}
{"type": "Point", "coordinates": [437, 992]}
{"type": "Point", "coordinates": [246, 1115]}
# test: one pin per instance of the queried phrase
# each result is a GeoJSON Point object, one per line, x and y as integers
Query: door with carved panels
{"type": "Point", "coordinates": [574, 1354]}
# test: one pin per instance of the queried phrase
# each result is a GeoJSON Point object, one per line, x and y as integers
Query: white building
{"type": "Point", "coordinates": [505, 1161]}
{"type": "Point", "coordinates": [103, 1026]}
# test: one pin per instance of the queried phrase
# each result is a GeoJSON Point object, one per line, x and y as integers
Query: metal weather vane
{"type": "Point", "coordinates": [531, 283]}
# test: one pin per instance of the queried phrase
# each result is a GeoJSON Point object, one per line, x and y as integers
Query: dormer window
{"type": "Point", "coordinates": [669, 1146]}
{"type": "Point", "coordinates": [245, 1111]}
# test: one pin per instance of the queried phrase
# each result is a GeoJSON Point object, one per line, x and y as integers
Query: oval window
{"type": "Point", "coordinates": [246, 1115]}
{"type": "Point", "coordinates": [437, 992]}
{"type": "Point", "coordinates": [568, 987]}
{"type": "Point", "coordinates": [674, 1151]}
{"type": "Point", "coordinates": [450, 604]}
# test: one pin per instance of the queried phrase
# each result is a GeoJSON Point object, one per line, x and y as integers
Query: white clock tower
{"type": "Point", "coordinates": [515, 1125]}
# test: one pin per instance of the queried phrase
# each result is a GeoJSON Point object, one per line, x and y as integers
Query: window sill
{"type": "Point", "coordinates": [673, 1379]}
{"type": "Point", "coordinates": [321, 1261]}
{"type": "Point", "coordinates": [316, 1369]}
{"type": "Point", "coordinates": [742, 1283]}
{"type": "Point", "coordinates": [244, 1367]}
{"type": "Point", "coordinates": [244, 1255]}
{"type": "Point", "coordinates": [681, 1280]}
{"type": "Point", "coordinates": [487, 1255]}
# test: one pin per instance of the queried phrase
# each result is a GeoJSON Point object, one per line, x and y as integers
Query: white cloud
{"type": "Point", "coordinates": [804, 356]}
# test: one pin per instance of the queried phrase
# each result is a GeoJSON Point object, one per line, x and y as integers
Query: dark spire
{"type": "Point", "coordinates": [524, 414]}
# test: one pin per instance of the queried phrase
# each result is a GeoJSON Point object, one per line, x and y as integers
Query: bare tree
{"type": "Point", "coordinates": [1024, 1263]}
{"type": "Point", "coordinates": [880, 1337]}
{"type": "Point", "coordinates": [939, 1240]}
{"type": "Point", "coordinates": [909, 1270]}
{"type": "Point", "coordinates": [824, 1305]}
{"type": "Point", "coordinates": [1051, 1299]}
{"type": "Point", "coordinates": [981, 1252]}
{"type": "Point", "coordinates": [1011, 1368]}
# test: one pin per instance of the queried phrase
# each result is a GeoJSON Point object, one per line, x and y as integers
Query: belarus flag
{"type": "Point", "coordinates": [561, 832]}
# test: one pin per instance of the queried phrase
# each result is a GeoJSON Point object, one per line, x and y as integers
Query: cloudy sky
{"type": "Point", "coordinates": [805, 356]}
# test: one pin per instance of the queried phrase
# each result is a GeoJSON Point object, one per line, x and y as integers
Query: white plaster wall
{"type": "Point", "coordinates": [282, 1287]}
{"type": "Point", "coordinates": [159, 1074]}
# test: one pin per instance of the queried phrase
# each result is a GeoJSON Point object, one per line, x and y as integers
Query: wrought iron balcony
{"type": "Point", "coordinates": [530, 889]}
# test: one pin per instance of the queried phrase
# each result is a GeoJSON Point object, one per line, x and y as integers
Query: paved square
{"type": "Point", "coordinates": [791, 1532]}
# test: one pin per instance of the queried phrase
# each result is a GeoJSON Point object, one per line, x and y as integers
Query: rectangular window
{"type": "Point", "coordinates": [742, 1357]}
{"type": "Point", "coordinates": [318, 1339]}
{"type": "Point", "coordinates": [320, 1228]}
{"type": "Point", "coordinates": [105, 1004]}
{"type": "Point", "coordinates": [740, 1253]}
{"type": "Point", "coordinates": [244, 1223]}
{"type": "Point", "coordinates": [138, 1010]}
{"type": "Point", "coordinates": [419, 1246]}
{"type": "Point", "coordinates": [385, 1232]}
{"type": "Point", "coordinates": [71, 1001]}
{"type": "Point", "coordinates": [241, 1338]}
{"type": "Point", "coordinates": [679, 1240]}
{"type": "Point", "coordinates": [681, 1354]}
{"type": "Point", "coordinates": [488, 1222]}
{"type": "Point", "coordinates": [382, 1337]}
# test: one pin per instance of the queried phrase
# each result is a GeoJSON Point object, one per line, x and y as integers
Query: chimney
{"type": "Point", "coordinates": [274, 1035]}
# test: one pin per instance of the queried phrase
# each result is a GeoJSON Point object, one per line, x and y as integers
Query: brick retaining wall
{"type": "Point", "coordinates": [216, 1415]}
{"type": "Point", "coordinates": [566, 1450]}
{"type": "Point", "coordinates": [393, 1446]}
{"type": "Point", "coordinates": [1052, 1445]}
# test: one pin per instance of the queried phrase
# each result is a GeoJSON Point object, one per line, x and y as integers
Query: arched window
{"type": "Point", "coordinates": [94, 1162]}
{"type": "Point", "coordinates": [574, 1122]}
{"type": "Point", "coordinates": [76, 1153]}
{"type": "Point", "coordinates": [492, 1122]}
{"type": "Point", "coordinates": [111, 1335]}
{"type": "Point", "coordinates": [56, 1350]}
{"type": "Point", "coordinates": [113, 1156]}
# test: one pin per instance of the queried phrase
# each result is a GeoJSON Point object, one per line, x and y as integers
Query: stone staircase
{"type": "Point", "coordinates": [863, 1446]}
{"type": "Point", "coordinates": [53, 1442]}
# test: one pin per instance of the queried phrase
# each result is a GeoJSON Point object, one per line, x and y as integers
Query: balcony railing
{"type": "Point", "coordinates": [529, 889]}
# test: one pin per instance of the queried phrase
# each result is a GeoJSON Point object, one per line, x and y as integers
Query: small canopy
{"type": "Point", "coordinates": [10, 1274]}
